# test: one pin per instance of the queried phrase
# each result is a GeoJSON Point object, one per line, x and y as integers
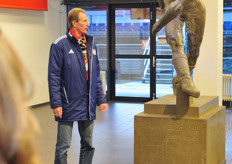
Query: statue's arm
{"type": "Point", "coordinates": [171, 12]}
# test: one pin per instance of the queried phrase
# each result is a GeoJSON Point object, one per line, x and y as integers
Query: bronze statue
{"type": "Point", "coordinates": [175, 13]}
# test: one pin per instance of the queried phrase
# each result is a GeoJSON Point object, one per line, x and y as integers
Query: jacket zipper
{"type": "Point", "coordinates": [90, 79]}
{"type": "Point", "coordinates": [65, 94]}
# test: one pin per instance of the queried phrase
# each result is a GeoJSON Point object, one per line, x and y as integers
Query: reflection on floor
{"type": "Point", "coordinates": [113, 135]}
{"type": "Point", "coordinates": [139, 89]}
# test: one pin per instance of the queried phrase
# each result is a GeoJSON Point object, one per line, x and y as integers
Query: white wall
{"type": "Point", "coordinates": [31, 32]}
{"type": "Point", "coordinates": [208, 72]}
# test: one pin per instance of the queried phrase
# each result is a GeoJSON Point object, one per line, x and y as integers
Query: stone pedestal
{"type": "Point", "coordinates": [198, 137]}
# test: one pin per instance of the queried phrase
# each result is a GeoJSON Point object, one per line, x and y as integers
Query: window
{"type": "Point", "coordinates": [227, 38]}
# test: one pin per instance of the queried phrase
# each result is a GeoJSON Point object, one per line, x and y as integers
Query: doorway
{"type": "Point", "coordinates": [141, 67]}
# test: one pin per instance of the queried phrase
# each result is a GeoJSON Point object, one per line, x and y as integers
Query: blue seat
{"type": "Point", "coordinates": [146, 26]}
{"type": "Point", "coordinates": [227, 25]}
{"type": "Point", "coordinates": [128, 27]}
{"type": "Point", "coordinates": [101, 27]}
{"type": "Point", "coordinates": [119, 27]}
{"type": "Point", "coordinates": [136, 26]}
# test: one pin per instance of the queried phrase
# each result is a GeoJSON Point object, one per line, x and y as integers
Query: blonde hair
{"type": "Point", "coordinates": [74, 15]}
{"type": "Point", "coordinates": [17, 124]}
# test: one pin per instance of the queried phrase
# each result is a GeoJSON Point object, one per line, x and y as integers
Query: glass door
{"type": "Point", "coordinates": [164, 71]}
{"type": "Point", "coordinates": [131, 52]}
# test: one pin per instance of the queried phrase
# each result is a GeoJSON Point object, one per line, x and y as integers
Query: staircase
{"type": "Point", "coordinates": [164, 67]}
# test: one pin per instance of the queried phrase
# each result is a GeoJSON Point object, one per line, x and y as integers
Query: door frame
{"type": "Point", "coordinates": [112, 56]}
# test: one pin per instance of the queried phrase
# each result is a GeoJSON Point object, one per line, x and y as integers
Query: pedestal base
{"type": "Point", "coordinates": [162, 138]}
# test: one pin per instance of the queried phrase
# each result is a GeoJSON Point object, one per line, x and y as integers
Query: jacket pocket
{"type": "Point", "coordinates": [65, 94]}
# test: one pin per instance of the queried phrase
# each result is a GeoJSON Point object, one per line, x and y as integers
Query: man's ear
{"type": "Point", "coordinates": [74, 22]}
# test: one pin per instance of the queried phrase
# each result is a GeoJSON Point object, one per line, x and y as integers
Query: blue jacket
{"type": "Point", "coordinates": [67, 79]}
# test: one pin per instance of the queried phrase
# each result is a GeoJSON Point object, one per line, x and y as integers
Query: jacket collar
{"type": "Point", "coordinates": [89, 38]}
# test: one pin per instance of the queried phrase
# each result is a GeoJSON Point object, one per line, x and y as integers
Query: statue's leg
{"type": "Point", "coordinates": [175, 83]}
{"type": "Point", "coordinates": [175, 39]}
{"type": "Point", "coordinates": [194, 48]}
{"type": "Point", "coordinates": [182, 68]}
{"type": "Point", "coordinates": [173, 31]}
{"type": "Point", "coordinates": [195, 26]}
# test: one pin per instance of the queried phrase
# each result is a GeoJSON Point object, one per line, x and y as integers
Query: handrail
{"type": "Point", "coordinates": [146, 52]}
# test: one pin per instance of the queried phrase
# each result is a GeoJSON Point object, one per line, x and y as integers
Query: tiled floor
{"type": "Point", "coordinates": [113, 135]}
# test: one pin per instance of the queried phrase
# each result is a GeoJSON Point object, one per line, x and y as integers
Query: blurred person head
{"type": "Point", "coordinates": [17, 125]}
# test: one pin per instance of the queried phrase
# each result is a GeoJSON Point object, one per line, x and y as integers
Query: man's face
{"type": "Point", "coordinates": [82, 25]}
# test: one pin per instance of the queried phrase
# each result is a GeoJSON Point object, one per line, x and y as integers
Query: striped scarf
{"type": "Point", "coordinates": [83, 45]}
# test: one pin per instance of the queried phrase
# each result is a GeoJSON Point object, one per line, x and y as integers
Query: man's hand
{"type": "Point", "coordinates": [103, 107]}
{"type": "Point", "coordinates": [58, 111]}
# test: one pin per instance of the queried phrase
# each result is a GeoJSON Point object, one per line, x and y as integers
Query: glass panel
{"type": "Point", "coordinates": [227, 39]}
{"type": "Point", "coordinates": [162, 47]}
{"type": "Point", "coordinates": [131, 80]}
{"type": "Point", "coordinates": [132, 31]}
{"type": "Point", "coordinates": [164, 67]}
{"type": "Point", "coordinates": [164, 73]}
{"type": "Point", "coordinates": [97, 18]}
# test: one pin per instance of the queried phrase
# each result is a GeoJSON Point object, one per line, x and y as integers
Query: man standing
{"type": "Point", "coordinates": [75, 86]}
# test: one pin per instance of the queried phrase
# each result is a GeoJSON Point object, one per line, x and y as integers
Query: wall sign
{"type": "Point", "coordinates": [25, 4]}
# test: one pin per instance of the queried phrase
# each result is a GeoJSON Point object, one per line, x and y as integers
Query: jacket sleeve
{"type": "Point", "coordinates": [54, 75]}
{"type": "Point", "coordinates": [101, 99]}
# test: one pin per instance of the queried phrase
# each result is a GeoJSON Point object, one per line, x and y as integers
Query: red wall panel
{"type": "Point", "coordinates": [25, 4]}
